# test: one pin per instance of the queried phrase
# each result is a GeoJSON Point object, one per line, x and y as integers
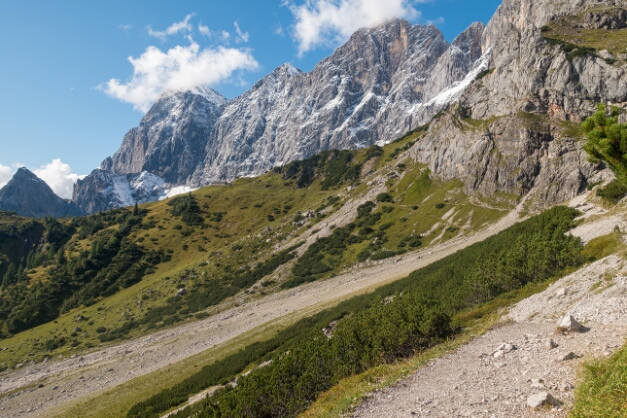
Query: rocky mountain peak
{"type": "Point", "coordinates": [23, 175]}
{"type": "Point", "coordinates": [28, 195]}
{"type": "Point", "coordinates": [170, 138]}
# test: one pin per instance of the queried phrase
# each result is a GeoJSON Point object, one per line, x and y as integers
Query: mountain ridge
{"type": "Point", "coordinates": [366, 92]}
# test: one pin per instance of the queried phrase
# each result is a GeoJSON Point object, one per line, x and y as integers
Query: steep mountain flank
{"type": "Point", "coordinates": [28, 195]}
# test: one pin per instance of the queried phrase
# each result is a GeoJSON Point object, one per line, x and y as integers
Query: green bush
{"type": "Point", "coordinates": [384, 197]}
{"type": "Point", "coordinates": [613, 192]}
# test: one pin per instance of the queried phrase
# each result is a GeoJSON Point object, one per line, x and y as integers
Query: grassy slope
{"type": "Point", "coordinates": [247, 205]}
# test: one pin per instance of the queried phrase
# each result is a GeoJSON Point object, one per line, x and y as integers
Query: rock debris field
{"type": "Point", "coordinates": [527, 360]}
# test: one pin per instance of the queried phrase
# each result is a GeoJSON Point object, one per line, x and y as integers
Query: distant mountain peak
{"type": "Point", "coordinates": [30, 196]}
{"type": "Point", "coordinates": [24, 174]}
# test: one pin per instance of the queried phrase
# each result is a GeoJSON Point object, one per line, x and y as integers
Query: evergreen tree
{"type": "Point", "coordinates": [9, 276]}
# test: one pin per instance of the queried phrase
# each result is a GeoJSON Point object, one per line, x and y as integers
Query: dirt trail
{"type": "Point", "coordinates": [69, 380]}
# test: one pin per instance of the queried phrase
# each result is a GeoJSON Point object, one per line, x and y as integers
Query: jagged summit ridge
{"type": "Point", "coordinates": [365, 92]}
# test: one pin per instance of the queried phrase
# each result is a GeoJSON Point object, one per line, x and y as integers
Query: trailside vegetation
{"type": "Point", "coordinates": [607, 141]}
{"type": "Point", "coordinates": [603, 391]}
{"type": "Point", "coordinates": [394, 322]}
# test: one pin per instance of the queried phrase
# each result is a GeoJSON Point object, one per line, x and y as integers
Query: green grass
{"type": "Point", "coordinates": [580, 41]}
{"type": "Point", "coordinates": [603, 246]}
{"type": "Point", "coordinates": [603, 390]}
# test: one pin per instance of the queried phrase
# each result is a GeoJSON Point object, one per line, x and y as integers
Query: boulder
{"type": "Point", "coordinates": [550, 344]}
{"type": "Point", "coordinates": [569, 323]}
{"type": "Point", "coordinates": [542, 398]}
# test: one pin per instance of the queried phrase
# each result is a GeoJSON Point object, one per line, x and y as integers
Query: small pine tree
{"type": "Point", "coordinates": [136, 210]}
{"type": "Point", "coordinates": [9, 276]}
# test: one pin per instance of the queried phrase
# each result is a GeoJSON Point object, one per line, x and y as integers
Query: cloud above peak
{"type": "Point", "coordinates": [5, 175]}
{"type": "Point", "coordinates": [180, 68]}
{"type": "Point", "coordinates": [330, 22]}
{"type": "Point", "coordinates": [182, 26]}
{"type": "Point", "coordinates": [59, 177]}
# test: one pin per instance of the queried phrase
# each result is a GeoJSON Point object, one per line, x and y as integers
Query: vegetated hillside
{"type": "Point", "coordinates": [125, 272]}
{"type": "Point", "coordinates": [392, 323]}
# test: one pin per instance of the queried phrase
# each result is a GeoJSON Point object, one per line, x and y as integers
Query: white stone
{"type": "Point", "coordinates": [542, 398]}
{"type": "Point", "coordinates": [569, 323]}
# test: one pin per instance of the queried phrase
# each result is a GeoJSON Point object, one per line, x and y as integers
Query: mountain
{"type": "Point", "coordinates": [372, 89]}
{"type": "Point", "coordinates": [516, 128]}
{"type": "Point", "coordinates": [382, 83]}
{"type": "Point", "coordinates": [28, 195]}
{"type": "Point", "coordinates": [502, 102]}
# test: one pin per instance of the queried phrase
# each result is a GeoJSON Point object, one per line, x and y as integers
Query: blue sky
{"type": "Point", "coordinates": [69, 92]}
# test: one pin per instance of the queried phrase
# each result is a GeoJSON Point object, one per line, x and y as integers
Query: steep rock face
{"type": "Point", "coordinates": [533, 75]}
{"type": "Point", "coordinates": [170, 139]}
{"type": "Point", "coordinates": [372, 89]}
{"type": "Point", "coordinates": [30, 196]}
{"type": "Point", "coordinates": [103, 190]}
{"type": "Point", "coordinates": [530, 105]}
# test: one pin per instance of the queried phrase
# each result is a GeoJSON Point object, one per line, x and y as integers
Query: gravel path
{"type": "Point", "coordinates": [69, 380]}
{"type": "Point", "coordinates": [486, 379]}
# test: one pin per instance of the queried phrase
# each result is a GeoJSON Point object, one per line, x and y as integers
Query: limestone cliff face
{"type": "Point", "coordinates": [170, 139]}
{"type": "Point", "coordinates": [530, 104]}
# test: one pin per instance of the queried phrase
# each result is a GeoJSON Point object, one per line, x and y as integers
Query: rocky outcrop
{"type": "Point", "coordinates": [28, 195]}
{"type": "Point", "coordinates": [617, 19]}
{"type": "Point", "coordinates": [515, 129]}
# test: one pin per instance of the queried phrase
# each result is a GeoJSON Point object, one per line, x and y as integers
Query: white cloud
{"type": "Point", "coordinates": [327, 22]}
{"type": "Point", "coordinates": [241, 36]}
{"type": "Point", "coordinates": [5, 175]}
{"type": "Point", "coordinates": [183, 26]}
{"type": "Point", "coordinates": [59, 177]}
{"type": "Point", "coordinates": [204, 30]}
{"type": "Point", "coordinates": [437, 21]}
{"type": "Point", "coordinates": [180, 68]}
{"type": "Point", "coordinates": [225, 35]}
{"type": "Point", "coordinates": [278, 29]}
{"type": "Point", "coordinates": [125, 27]}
